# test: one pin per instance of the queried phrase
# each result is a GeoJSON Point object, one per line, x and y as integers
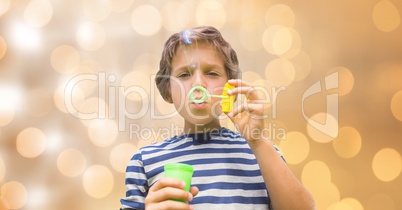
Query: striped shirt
{"type": "Point", "coordinates": [225, 171]}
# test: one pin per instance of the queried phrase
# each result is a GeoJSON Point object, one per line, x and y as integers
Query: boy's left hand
{"type": "Point", "coordinates": [248, 117]}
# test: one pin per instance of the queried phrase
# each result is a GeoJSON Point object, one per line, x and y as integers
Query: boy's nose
{"type": "Point", "coordinates": [198, 78]}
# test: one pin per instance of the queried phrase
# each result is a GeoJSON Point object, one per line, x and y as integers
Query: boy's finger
{"type": "Point", "coordinates": [169, 205]}
{"type": "Point", "coordinates": [168, 193]}
{"type": "Point", "coordinates": [167, 182]}
{"type": "Point", "coordinates": [252, 109]}
{"type": "Point", "coordinates": [194, 190]}
{"type": "Point", "coordinates": [243, 87]}
{"type": "Point", "coordinates": [239, 83]}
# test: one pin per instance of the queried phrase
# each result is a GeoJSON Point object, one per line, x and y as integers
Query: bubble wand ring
{"type": "Point", "coordinates": [204, 94]}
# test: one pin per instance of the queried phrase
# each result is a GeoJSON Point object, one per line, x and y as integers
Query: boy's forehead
{"type": "Point", "coordinates": [192, 52]}
{"type": "Point", "coordinates": [199, 45]}
{"type": "Point", "coordinates": [196, 53]}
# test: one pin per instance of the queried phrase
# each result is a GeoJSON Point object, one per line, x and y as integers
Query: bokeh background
{"type": "Point", "coordinates": [65, 140]}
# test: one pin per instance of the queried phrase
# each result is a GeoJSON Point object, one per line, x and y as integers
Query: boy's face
{"type": "Point", "coordinates": [197, 64]}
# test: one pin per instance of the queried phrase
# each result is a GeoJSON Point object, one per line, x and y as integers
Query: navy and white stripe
{"type": "Point", "coordinates": [225, 171]}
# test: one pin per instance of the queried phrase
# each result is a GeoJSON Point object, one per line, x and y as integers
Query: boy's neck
{"type": "Point", "coordinates": [201, 128]}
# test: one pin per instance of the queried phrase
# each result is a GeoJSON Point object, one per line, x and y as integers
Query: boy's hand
{"type": "Point", "coordinates": [164, 189]}
{"type": "Point", "coordinates": [248, 117]}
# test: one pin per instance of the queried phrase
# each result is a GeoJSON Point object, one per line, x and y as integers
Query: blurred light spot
{"type": "Point", "coordinates": [121, 5]}
{"type": "Point", "coordinates": [280, 14]}
{"type": "Point", "coordinates": [31, 142]}
{"type": "Point", "coordinates": [6, 114]}
{"type": "Point", "coordinates": [38, 102]}
{"type": "Point", "coordinates": [245, 13]}
{"type": "Point", "coordinates": [348, 142]}
{"type": "Point", "coordinates": [3, 203]}
{"type": "Point", "coordinates": [89, 110]}
{"type": "Point", "coordinates": [340, 206]}
{"type": "Point", "coordinates": [9, 103]}
{"type": "Point", "coordinates": [263, 84]}
{"type": "Point", "coordinates": [210, 12]}
{"type": "Point", "coordinates": [316, 177]}
{"type": "Point", "coordinates": [120, 156]}
{"type": "Point", "coordinates": [353, 203]}
{"type": "Point", "coordinates": [280, 72]}
{"type": "Point", "coordinates": [295, 148]}
{"type": "Point", "coordinates": [250, 34]}
{"type": "Point", "coordinates": [264, 91]}
{"type": "Point", "coordinates": [77, 98]}
{"type": "Point", "coordinates": [387, 164]}
{"type": "Point", "coordinates": [93, 67]}
{"type": "Point", "coordinates": [325, 195]}
{"type": "Point", "coordinates": [54, 140]}
{"type": "Point", "coordinates": [90, 36]}
{"type": "Point", "coordinates": [87, 86]}
{"type": "Point", "coordinates": [386, 16]}
{"type": "Point", "coordinates": [250, 76]}
{"type": "Point", "coordinates": [103, 133]}
{"type": "Point", "coordinates": [4, 6]}
{"type": "Point", "coordinates": [277, 39]}
{"type": "Point", "coordinates": [295, 45]}
{"type": "Point", "coordinates": [65, 59]}
{"type": "Point", "coordinates": [315, 173]}
{"type": "Point", "coordinates": [3, 47]}
{"type": "Point", "coordinates": [331, 126]}
{"type": "Point", "coordinates": [97, 9]}
{"type": "Point", "coordinates": [345, 179]}
{"type": "Point", "coordinates": [98, 181]}
{"type": "Point", "coordinates": [138, 80]}
{"type": "Point", "coordinates": [173, 14]}
{"type": "Point", "coordinates": [71, 162]}
{"type": "Point", "coordinates": [380, 201]}
{"type": "Point", "coordinates": [146, 20]}
{"type": "Point", "coordinates": [396, 105]}
{"type": "Point", "coordinates": [2, 170]}
{"type": "Point", "coordinates": [388, 76]}
{"type": "Point", "coordinates": [346, 80]}
{"type": "Point", "coordinates": [14, 195]}
{"type": "Point", "coordinates": [147, 62]}
{"type": "Point", "coordinates": [25, 38]}
{"type": "Point", "coordinates": [38, 197]}
{"type": "Point", "coordinates": [38, 13]}
{"type": "Point", "coordinates": [302, 65]}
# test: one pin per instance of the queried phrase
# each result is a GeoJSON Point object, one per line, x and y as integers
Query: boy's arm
{"type": "Point", "coordinates": [285, 190]}
{"type": "Point", "coordinates": [136, 184]}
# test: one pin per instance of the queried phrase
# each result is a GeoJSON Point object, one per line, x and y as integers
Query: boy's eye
{"type": "Point", "coordinates": [211, 73]}
{"type": "Point", "coordinates": [184, 74]}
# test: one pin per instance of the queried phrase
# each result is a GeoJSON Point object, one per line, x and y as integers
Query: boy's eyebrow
{"type": "Point", "coordinates": [204, 65]}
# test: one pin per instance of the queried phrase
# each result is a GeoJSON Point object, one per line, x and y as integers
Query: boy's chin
{"type": "Point", "coordinates": [200, 120]}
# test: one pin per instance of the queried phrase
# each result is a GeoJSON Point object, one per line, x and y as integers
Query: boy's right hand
{"type": "Point", "coordinates": [164, 189]}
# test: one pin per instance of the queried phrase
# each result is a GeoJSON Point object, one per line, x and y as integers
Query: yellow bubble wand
{"type": "Point", "coordinates": [226, 103]}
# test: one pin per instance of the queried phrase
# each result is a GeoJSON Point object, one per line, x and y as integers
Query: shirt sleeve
{"type": "Point", "coordinates": [136, 184]}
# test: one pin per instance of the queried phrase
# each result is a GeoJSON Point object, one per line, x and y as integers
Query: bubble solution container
{"type": "Point", "coordinates": [181, 171]}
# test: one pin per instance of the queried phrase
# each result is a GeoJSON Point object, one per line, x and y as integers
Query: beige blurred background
{"type": "Point", "coordinates": [77, 97]}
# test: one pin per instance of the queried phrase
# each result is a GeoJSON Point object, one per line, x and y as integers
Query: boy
{"type": "Point", "coordinates": [231, 171]}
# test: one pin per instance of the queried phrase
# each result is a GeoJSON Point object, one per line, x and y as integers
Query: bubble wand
{"type": "Point", "coordinates": [226, 103]}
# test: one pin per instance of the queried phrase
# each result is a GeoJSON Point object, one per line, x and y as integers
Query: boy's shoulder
{"type": "Point", "coordinates": [162, 144]}
{"type": "Point", "coordinates": [180, 139]}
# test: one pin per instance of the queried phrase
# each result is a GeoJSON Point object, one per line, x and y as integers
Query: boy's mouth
{"type": "Point", "coordinates": [199, 105]}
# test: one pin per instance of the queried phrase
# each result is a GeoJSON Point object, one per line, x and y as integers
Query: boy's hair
{"type": "Point", "coordinates": [206, 34]}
